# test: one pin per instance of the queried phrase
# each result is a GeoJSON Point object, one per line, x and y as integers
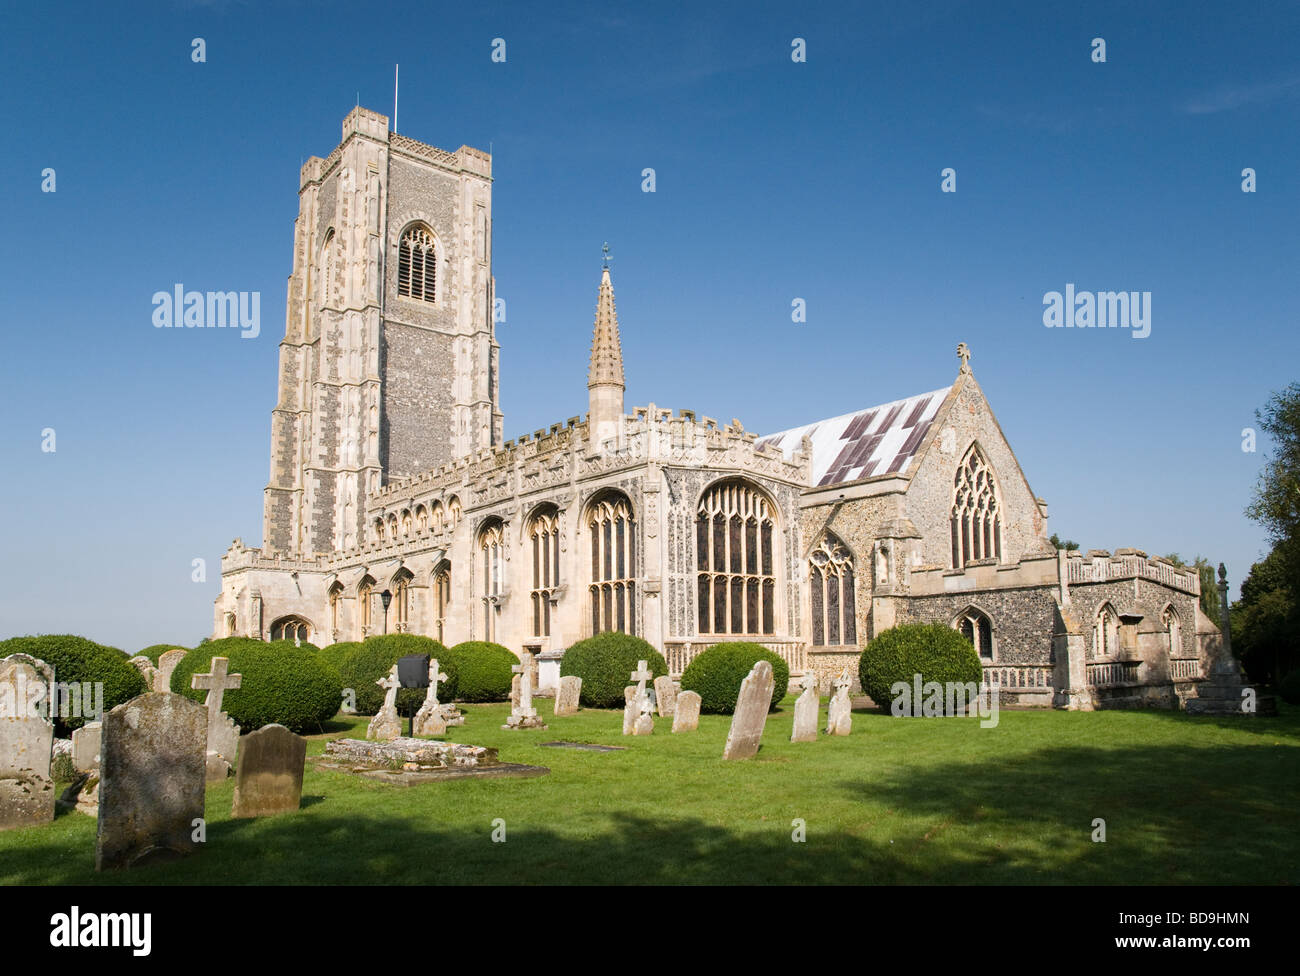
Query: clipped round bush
{"type": "Point", "coordinates": [604, 663]}
{"type": "Point", "coordinates": [375, 656]}
{"type": "Point", "coordinates": [155, 651]}
{"type": "Point", "coordinates": [334, 654]}
{"type": "Point", "coordinates": [934, 651]}
{"type": "Point", "coordinates": [282, 683]}
{"type": "Point", "coordinates": [482, 672]}
{"type": "Point", "coordinates": [1289, 687]}
{"type": "Point", "coordinates": [716, 674]}
{"type": "Point", "coordinates": [75, 659]}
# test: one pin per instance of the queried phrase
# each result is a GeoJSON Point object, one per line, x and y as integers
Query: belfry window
{"type": "Point", "coordinates": [736, 585]}
{"type": "Point", "coordinates": [834, 604]}
{"type": "Point", "coordinates": [417, 264]}
{"type": "Point", "coordinates": [976, 523]}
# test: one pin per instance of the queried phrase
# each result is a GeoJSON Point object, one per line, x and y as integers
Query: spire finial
{"type": "Point", "coordinates": [963, 353]}
{"type": "Point", "coordinates": [605, 249]}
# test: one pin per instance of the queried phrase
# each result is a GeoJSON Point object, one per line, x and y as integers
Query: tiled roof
{"type": "Point", "coordinates": [878, 440]}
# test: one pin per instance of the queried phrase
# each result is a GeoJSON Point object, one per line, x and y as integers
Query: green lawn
{"type": "Point", "coordinates": [1185, 800]}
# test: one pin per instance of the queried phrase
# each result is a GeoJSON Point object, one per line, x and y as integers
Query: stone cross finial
{"type": "Point", "coordinates": [435, 676]}
{"type": "Point", "coordinates": [963, 353]}
{"type": "Point", "coordinates": [390, 684]}
{"type": "Point", "coordinates": [216, 683]}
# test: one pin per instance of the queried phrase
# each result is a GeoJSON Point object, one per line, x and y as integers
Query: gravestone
{"type": "Point", "coordinates": [839, 717]}
{"type": "Point", "coordinates": [84, 792]}
{"type": "Point", "coordinates": [568, 695]}
{"type": "Point", "coordinates": [223, 733]}
{"type": "Point", "coordinates": [686, 712]}
{"type": "Point", "coordinates": [805, 710]}
{"type": "Point", "coordinates": [146, 669]}
{"type": "Point", "coordinates": [515, 694]}
{"type": "Point", "coordinates": [26, 687]}
{"type": "Point", "coordinates": [523, 715]}
{"type": "Point", "coordinates": [386, 725]}
{"type": "Point", "coordinates": [269, 780]}
{"type": "Point", "coordinates": [162, 680]}
{"type": "Point", "coordinates": [645, 720]}
{"type": "Point", "coordinates": [26, 788]}
{"type": "Point", "coordinates": [751, 712]}
{"type": "Point", "coordinates": [151, 780]}
{"type": "Point", "coordinates": [631, 709]}
{"type": "Point", "coordinates": [429, 720]}
{"type": "Point", "coordinates": [665, 695]}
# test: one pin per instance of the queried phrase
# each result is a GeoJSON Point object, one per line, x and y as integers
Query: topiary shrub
{"type": "Point", "coordinates": [1289, 687]}
{"type": "Point", "coordinates": [334, 654]}
{"type": "Point", "coordinates": [155, 651]}
{"type": "Point", "coordinates": [375, 657]}
{"type": "Point", "coordinates": [716, 674]}
{"type": "Point", "coordinates": [934, 651]}
{"type": "Point", "coordinates": [604, 663]}
{"type": "Point", "coordinates": [75, 659]}
{"type": "Point", "coordinates": [282, 683]}
{"type": "Point", "coordinates": [482, 672]}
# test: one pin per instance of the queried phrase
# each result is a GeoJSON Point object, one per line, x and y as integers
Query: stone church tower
{"type": "Point", "coordinates": [389, 362]}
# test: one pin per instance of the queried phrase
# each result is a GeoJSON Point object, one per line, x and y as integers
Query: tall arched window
{"type": "Point", "coordinates": [417, 264]}
{"type": "Point", "coordinates": [977, 628]}
{"type": "Point", "coordinates": [1173, 625]}
{"type": "Point", "coordinates": [406, 522]}
{"type": "Point", "coordinates": [834, 604]}
{"type": "Point", "coordinates": [544, 532]}
{"type": "Point", "coordinates": [364, 603]}
{"type": "Point", "coordinates": [1105, 632]}
{"type": "Point", "coordinates": [336, 600]}
{"type": "Point", "coordinates": [421, 518]}
{"type": "Point", "coordinates": [435, 518]}
{"type": "Point", "coordinates": [402, 599]}
{"type": "Point", "coordinates": [328, 268]}
{"type": "Point", "coordinates": [441, 598]}
{"type": "Point", "coordinates": [453, 513]}
{"type": "Point", "coordinates": [491, 543]}
{"type": "Point", "coordinates": [734, 549]}
{"type": "Point", "coordinates": [292, 628]}
{"type": "Point", "coordinates": [976, 522]}
{"type": "Point", "coordinates": [613, 565]}
{"type": "Point", "coordinates": [378, 526]}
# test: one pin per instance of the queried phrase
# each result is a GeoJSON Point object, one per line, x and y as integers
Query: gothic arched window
{"type": "Point", "coordinates": [544, 531]}
{"type": "Point", "coordinates": [976, 522]}
{"type": "Point", "coordinates": [328, 268]}
{"type": "Point", "coordinates": [336, 599]}
{"type": "Point", "coordinates": [834, 604]}
{"type": "Point", "coordinates": [1105, 632]}
{"type": "Point", "coordinates": [417, 264]}
{"type": "Point", "coordinates": [441, 598]}
{"type": "Point", "coordinates": [402, 599]}
{"type": "Point", "coordinates": [613, 565]}
{"type": "Point", "coordinates": [292, 628]}
{"type": "Point", "coordinates": [1173, 625]}
{"type": "Point", "coordinates": [977, 628]}
{"type": "Point", "coordinates": [735, 559]}
{"type": "Point", "coordinates": [491, 543]}
{"type": "Point", "coordinates": [364, 591]}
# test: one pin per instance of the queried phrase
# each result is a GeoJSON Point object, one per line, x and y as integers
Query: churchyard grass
{"type": "Point", "coordinates": [1185, 800]}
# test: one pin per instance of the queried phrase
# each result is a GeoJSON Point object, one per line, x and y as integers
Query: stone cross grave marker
{"type": "Point", "coordinates": [686, 712]}
{"type": "Point", "coordinates": [151, 780]}
{"type": "Point", "coordinates": [223, 733]}
{"type": "Point", "coordinates": [386, 726]}
{"type": "Point", "coordinates": [839, 718]}
{"type": "Point", "coordinates": [270, 772]}
{"type": "Point", "coordinates": [524, 715]}
{"type": "Point", "coordinates": [805, 710]}
{"type": "Point", "coordinates": [429, 720]}
{"type": "Point", "coordinates": [751, 712]}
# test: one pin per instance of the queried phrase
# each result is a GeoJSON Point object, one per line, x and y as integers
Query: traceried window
{"type": "Point", "coordinates": [613, 565]}
{"type": "Point", "coordinates": [441, 599]}
{"type": "Point", "coordinates": [336, 602]}
{"type": "Point", "coordinates": [977, 628]}
{"type": "Point", "coordinates": [453, 513]}
{"type": "Point", "coordinates": [735, 558]}
{"type": "Point", "coordinates": [292, 628]}
{"type": "Point", "coordinates": [491, 544]}
{"type": "Point", "coordinates": [402, 600]}
{"type": "Point", "coordinates": [417, 264]}
{"type": "Point", "coordinates": [1173, 625]}
{"type": "Point", "coordinates": [1105, 632]}
{"type": "Point", "coordinates": [834, 604]}
{"type": "Point", "coordinates": [544, 533]}
{"type": "Point", "coordinates": [976, 523]}
{"type": "Point", "coordinates": [364, 603]}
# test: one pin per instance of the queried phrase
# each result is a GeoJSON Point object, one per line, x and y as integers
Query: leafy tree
{"type": "Point", "coordinates": [1066, 544]}
{"type": "Point", "coordinates": [1276, 502]}
{"type": "Point", "coordinates": [1266, 621]}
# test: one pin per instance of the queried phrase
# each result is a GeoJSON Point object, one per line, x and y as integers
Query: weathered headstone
{"type": "Point", "coordinates": [645, 720]}
{"type": "Point", "coordinates": [523, 715]}
{"type": "Point", "coordinates": [26, 687]}
{"type": "Point", "coordinates": [269, 780]}
{"type": "Point", "coordinates": [26, 788]}
{"type": "Point", "coordinates": [146, 669]}
{"type": "Point", "coordinates": [839, 717]}
{"type": "Point", "coordinates": [568, 695]}
{"type": "Point", "coordinates": [429, 720]}
{"type": "Point", "coordinates": [631, 709]}
{"type": "Point", "coordinates": [686, 712]}
{"type": "Point", "coordinates": [223, 733]}
{"type": "Point", "coordinates": [665, 695]}
{"type": "Point", "coordinates": [151, 780]}
{"type": "Point", "coordinates": [84, 792]}
{"type": "Point", "coordinates": [754, 700]}
{"type": "Point", "coordinates": [386, 724]}
{"type": "Point", "coordinates": [162, 681]}
{"type": "Point", "coordinates": [805, 710]}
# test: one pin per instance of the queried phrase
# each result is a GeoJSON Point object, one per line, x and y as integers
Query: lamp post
{"type": "Point", "coordinates": [387, 598]}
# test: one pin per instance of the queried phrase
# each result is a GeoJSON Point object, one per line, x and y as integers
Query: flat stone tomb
{"type": "Point", "coordinates": [585, 746]}
{"type": "Point", "coordinates": [151, 780]}
{"type": "Point", "coordinates": [751, 712]}
{"type": "Point", "coordinates": [410, 762]}
{"type": "Point", "coordinates": [269, 779]}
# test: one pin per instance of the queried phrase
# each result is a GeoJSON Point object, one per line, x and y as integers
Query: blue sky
{"type": "Point", "coordinates": [775, 180]}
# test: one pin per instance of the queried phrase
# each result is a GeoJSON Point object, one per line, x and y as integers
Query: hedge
{"type": "Point", "coordinates": [282, 683]}
{"type": "Point", "coordinates": [334, 654]}
{"type": "Point", "coordinates": [716, 674]}
{"type": "Point", "coordinates": [482, 672]}
{"type": "Point", "coordinates": [155, 651]}
{"type": "Point", "coordinates": [77, 659]}
{"type": "Point", "coordinates": [604, 663]}
{"type": "Point", "coordinates": [934, 651]}
{"type": "Point", "coordinates": [375, 657]}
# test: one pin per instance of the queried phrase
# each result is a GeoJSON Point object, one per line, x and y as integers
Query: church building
{"type": "Point", "coordinates": [395, 504]}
